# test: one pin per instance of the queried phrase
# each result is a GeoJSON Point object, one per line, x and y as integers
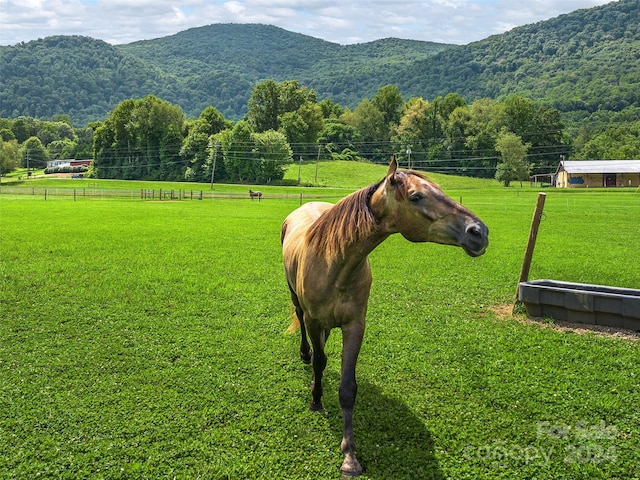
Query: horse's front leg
{"type": "Point", "coordinates": [351, 340]}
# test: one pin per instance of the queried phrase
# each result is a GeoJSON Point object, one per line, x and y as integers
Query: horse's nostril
{"type": "Point", "coordinates": [474, 230]}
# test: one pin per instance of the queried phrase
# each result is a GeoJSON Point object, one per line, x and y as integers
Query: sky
{"type": "Point", "coordinates": [339, 21]}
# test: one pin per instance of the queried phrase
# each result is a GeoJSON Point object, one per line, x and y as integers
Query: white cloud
{"type": "Point", "coordinates": [340, 21]}
{"type": "Point", "coordinates": [235, 8]}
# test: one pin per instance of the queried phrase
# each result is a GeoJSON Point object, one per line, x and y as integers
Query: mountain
{"type": "Point", "coordinates": [220, 64]}
{"type": "Point", "coordinates": [584, 63]}
{"type": "Point", "coordinates": [80, 76]}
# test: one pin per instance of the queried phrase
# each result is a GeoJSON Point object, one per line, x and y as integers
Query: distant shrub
{"type": "Point", "coordinates": [67, 169]}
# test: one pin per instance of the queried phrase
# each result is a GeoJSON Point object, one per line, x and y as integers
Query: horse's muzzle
{"type": "Point", "coordinates": [476, 238]}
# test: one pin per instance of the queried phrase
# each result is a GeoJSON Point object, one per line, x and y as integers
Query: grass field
{"type": "Point", "coordinates": [144, 339]}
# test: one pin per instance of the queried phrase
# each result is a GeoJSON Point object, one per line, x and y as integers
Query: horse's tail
{"type": "Point", "coordinates": [295, 321]}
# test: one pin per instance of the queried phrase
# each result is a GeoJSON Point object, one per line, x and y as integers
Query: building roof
{"type": "Point", "coordinates": [599, 166]}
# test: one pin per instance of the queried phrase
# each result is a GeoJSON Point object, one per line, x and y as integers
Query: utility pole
{"type": "Point", "coordinates": [409, 155]}
{"type": "Point", "coordinates": [213, 167]}
{"type": "Point", "coordinates": [317, 161]}
{"type": "Point", "coordinates": [299, 167]}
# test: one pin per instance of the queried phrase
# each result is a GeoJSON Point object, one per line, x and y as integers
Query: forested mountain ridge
{"type": "Point", "coordinates": [583, 63]}
{"type": "Point", "coordinates": [220, 64]}
{"type": "Point", "coordinates": [79, 76]}
{"type": "Point", "coordinates": [579, 63]}
{"type": "Point", "coordinates": [265, 51]}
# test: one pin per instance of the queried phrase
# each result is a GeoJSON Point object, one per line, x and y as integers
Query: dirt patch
{"type": "Point", "coordinates": [506, 312]}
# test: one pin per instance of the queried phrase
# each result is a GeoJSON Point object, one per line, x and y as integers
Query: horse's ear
{"type": "Point", "coordinates": [393, 166]}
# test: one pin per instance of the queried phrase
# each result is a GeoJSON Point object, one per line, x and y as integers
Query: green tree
{"type": "Point", "coordinates": [270, 100]}
{"type": "Point", "coordinates": [195, 150]}
{"type": "Point", "coordinates": [6, 134]}
{"type": "Point", "coordinates": [513, 165]}
{"type": "Point", "coordinates": [412, 128]}
{"type": "Point", "coordinates": [129, 143]}
{"type": "Point", "coordinates": [214, 120]}
{"type": "Point", "coordinates": [388, 100]}
{"type": "Point", "coordinates": [62, 149]}
{"type": "Point", "coordinates": [621, 142]}
{"type": "Point", "coordinates": [240, 156]}
{"type": "Point", "coordinates": [337, 136]}
{"type": "Point", "coordinates": [9, 156]}
{"type": "Point", "coordinates": [485, 122]}
{"type": "Point", "coordinates": [84, 145]}
{"type": "Point", "coordinates": [172, 166]}
{"type": "Point", "coordinates": [264, 106]}
{"type": "Point", "coordinates": [62, 118]}
{"type": "Point", "coordinates": [34, 154]}
{"type": "Point", "coordinates": [273, 153]}
{"type": "Point", "coordinates": [520, 116]}
{"type": "Point", "coordinates": [301, 127]}
{"type": "Point", "coordinates": [330, 109]}
{"type": "Point", "coordinates": [23, 128]}
{"type": "Point", "coordinates": [369, 123]}
{"type": "Point", "coordinates": [294, 128]}
{"type": "Point", "coordinates": [311, 113]}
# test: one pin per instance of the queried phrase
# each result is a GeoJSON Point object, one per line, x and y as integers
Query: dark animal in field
{"type": "Point", "coordinates": [253, 194]}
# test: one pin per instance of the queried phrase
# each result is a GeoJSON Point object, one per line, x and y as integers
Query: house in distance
{"type": "Point", "coordinates": [597, 173]}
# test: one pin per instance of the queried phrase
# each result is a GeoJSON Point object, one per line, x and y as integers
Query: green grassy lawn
{"type": "Point", "coordinates": [143, 339]}
{"type": "Point", "coordinates": [331, 175]}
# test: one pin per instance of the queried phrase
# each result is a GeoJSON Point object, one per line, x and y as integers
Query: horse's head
{"type": "Point", "coordinates": [408, 203]}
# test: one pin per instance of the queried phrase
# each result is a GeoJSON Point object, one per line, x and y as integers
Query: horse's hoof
{"type": "Point", "coordinates": [305, 357]}
{"type": "Point", "coordinates": [316, 407]}
{"type": "Point", "coordinates": [350, 468]}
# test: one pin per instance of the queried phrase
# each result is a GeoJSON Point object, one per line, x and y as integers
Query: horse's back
{"type": "Point", "coordinates": [294, 237]}
{"type": "Point", "coordinates": [298, 222]}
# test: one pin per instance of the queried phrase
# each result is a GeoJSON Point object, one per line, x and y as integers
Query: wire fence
{"type": "Point", "coordinates": [88, 193]}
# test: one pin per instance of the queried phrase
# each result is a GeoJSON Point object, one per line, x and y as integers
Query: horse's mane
{"type": "Point", "coordinates": [349, 220]}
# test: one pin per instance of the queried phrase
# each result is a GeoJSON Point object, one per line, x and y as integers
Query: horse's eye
{"type": "Point", "coordinates": [415, 197]}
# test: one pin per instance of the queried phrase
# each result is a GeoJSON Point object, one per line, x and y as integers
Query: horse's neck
{"type": "Point", "coordinates": [348, 267]}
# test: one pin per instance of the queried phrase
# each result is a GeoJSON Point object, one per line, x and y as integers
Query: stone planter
{"type": "Point", "coordinates": [582, 303]}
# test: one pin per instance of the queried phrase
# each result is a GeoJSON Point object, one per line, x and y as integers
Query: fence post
{"type": "Point", "coordinates": [45, 194]}
{"type": "Point", "coordinates": [74, 194]}
{"type": "Point", "coordinates": [531, 243]}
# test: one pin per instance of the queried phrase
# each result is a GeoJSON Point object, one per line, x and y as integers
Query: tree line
{"type": "Point", "coordinates": [585, 64]}
{"type": "Point", "coordinates": [150, 138]}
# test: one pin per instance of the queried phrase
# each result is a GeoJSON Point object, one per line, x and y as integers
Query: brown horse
{"type": "Point", "coordinates": [325, 251]}
{"type": "Point", "coordinates": [255, 194]}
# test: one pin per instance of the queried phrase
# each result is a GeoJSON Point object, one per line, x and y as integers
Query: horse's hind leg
{"type": "Point", "coordinates": [319, 360]}
{"type": "Point", "coordinates": [305, 349]}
